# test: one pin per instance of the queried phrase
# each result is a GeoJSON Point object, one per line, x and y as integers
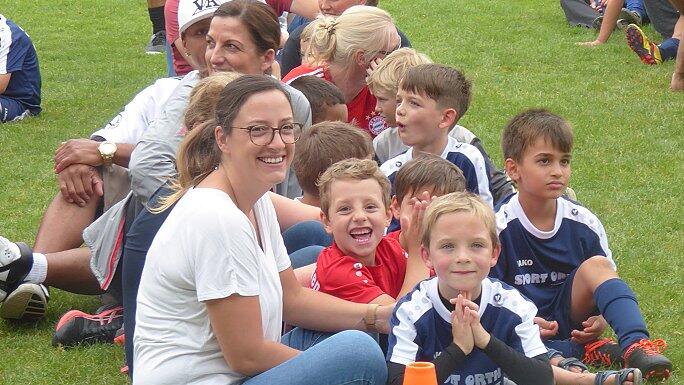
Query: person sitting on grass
{"type": "Point", "coordinates": [343, 48]}
{"type": "Point", "coordinates": [59, 260]}
{"type": "Point", "coordinates": [431, 99]}
{"type": "Point", "coordinates": [217, 279]}
{"type": "Point", "coordinates": [319, 147]}
{"type": "Point", "coordinates": [473, 328]}
{"type": "Point", "coordinates": [326, 100]}
{"type": "Point", "coordinates": [425, 174]}
{"type": "Point", "coordinates": [362, 265]}
{"type": "Point", "coordinates": [556, 252]}
{"type": "Point", "coordinates": [19, 74]}
{"type": "Point", "coordinates": [384, 83]}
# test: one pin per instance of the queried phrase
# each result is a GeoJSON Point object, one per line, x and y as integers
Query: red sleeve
{"type": "Point", "coordinates": [171, 20]}
{"type": "Point", "coordinates": [344, 277]}
{"type": "Point", "coordinates": [280, 6]}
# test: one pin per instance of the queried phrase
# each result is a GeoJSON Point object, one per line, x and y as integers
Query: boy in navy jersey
{"type": "Point", "coordinates": [556, 252]}
{"type": "Point", "coordinates": [430, 100]}
{"type": "Point", "coordinates": [473, 328]}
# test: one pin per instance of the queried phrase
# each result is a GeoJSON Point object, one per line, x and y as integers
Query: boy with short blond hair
{"type": "Point", "coordinates": [431, 99]}
{"type": "Point", "coordinates": [362, 265]}
{"type": "Point", "coordinates": [471, 327]}
{"type": "Point", "coordinates": [323, 145]}
{"type": "Point", "coordinates": [556, 252]}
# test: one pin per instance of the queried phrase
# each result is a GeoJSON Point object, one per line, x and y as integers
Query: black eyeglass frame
{"type": "Point", "coordinates": [297, 130]}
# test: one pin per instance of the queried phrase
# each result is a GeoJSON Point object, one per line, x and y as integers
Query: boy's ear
{"type": "Point", "coordinates": [511, 168]}
{"type": "Point", "coordinates": [395, 207]}
{"type": "Point", "coordinates": [495, 255]}
{"type": "Point", "coordinates": [425, 256]}
{"type": "Point", "coordinates": [449, 118]}
{"type": "Point", "coordinates": [326, 223]}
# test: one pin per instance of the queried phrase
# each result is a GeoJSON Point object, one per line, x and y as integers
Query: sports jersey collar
{"type": "Point", "coordinates": [520, 214]}
{"type": "Point", "coordinates": [443, 312]}
{"type": "Point", "coordinates": [450, 144]}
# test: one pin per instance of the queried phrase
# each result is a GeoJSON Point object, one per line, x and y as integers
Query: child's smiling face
{"type": "Point", "coordinates": [461, 253]}
{"type": "Point", "coordinates": [357, 217]}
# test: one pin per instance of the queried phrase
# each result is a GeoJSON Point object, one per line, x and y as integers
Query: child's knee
{"type": "Point", "coordinates": [598, 264]}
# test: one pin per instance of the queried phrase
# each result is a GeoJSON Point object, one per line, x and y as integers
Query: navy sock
{"type": "Point", "coordinates": [618, 305]}
{"type": "Point", "coordinates": [668, 48]}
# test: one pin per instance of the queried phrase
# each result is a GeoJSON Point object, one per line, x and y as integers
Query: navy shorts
{"type": "Point", "coordinates": [560, 309]}
{"type": "Point", "coordinates": [11, 110]}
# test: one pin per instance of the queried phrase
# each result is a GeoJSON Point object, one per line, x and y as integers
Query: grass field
{"type": "Point", "coordinates": [628, 162]}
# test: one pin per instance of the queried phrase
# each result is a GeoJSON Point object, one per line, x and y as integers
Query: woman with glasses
{"type": "Point", "coordinates": [218, 284]}
{"type": "Point", "coordinates": [342, 49]}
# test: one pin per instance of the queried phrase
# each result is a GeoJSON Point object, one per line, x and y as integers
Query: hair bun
{"type": "Point", "coordinates": [330, 26]}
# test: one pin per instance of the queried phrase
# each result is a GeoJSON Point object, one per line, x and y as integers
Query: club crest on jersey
{"type": "Point", "coordinates": [497, 298]}
{"type": "Point", "coordinates": [574, 212]}
{"type": "Point", "coordinates": [376, 124]}
{"type": "Point", "coordinates": [201, 5]}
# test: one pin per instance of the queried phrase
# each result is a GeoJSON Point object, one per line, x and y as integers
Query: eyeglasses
{"type": "Point", "coordinates": [262, 135]}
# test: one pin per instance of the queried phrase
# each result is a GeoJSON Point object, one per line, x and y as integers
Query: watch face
{"type": "Point", "coordinates": [107, 148]}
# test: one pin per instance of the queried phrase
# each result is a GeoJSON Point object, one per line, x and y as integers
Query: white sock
{"type": "Point", "coordinates": [38, 270]}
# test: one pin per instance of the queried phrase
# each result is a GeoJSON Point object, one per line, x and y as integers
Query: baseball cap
{"type": "Point", "coordinates": [192, 11]}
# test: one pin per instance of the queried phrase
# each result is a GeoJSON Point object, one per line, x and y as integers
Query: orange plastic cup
{"type": "Point", "coordinates": [420, 373]}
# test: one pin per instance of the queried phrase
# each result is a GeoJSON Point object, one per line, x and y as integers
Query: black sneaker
{"type": "Point", "coordinates": [76, 327]}
{"type": "Point", "coordinates": [645, 355]}
{"type": "Point", "coordinates": [157, 43]}
{"type": "Point", "coordinates": [603, 353]}
{"type": "Point", "coordinates": [629, 17]}
{"type": "Point", "coordinates": [16, 260]}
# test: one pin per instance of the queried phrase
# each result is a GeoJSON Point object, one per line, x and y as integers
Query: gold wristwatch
{"type": "Point", "coordinates": [107, 151]}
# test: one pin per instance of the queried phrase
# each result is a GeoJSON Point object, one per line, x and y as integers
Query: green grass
{"type": "Point", "coordinates": [628, 163]}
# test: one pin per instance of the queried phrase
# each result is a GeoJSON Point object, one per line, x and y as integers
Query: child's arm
{"type": "Point", "coordinates": [416, 270]}
{"type": "Point", "coordinates": [610, 17]}
{"type": "Point", "coordinates": [518, 367]}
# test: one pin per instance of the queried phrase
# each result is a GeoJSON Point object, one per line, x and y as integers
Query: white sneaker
{"type": "Point", "coordinates": [16, 260]}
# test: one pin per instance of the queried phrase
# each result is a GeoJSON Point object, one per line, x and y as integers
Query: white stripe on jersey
{"type": "Point", "coordinates": [494, 294]}
{"type": "Point", "coordinates": [453, 146]}
{"type": "Point", "coordinates": [405, 350]}
{"type": "Point", "coordinates": [318, 72]}
{"type": "Point", "coordinates": [5, 43]}
{"type": "Point", "coordinates": [565, 209]}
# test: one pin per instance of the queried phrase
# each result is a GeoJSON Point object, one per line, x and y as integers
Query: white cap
{"type": "Point", "coordinates": [192, 11]}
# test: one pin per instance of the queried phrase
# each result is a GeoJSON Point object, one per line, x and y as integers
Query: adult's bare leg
{"type": "Point", "coordinates": [63, 223]}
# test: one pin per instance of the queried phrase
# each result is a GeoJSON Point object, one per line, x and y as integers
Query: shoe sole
{"type": "Point", "coordinates": [658, 374]}
{"type": "Point", "coordinates": [27, 302]}
{"type": "Point", "coordinates": [635, 41]}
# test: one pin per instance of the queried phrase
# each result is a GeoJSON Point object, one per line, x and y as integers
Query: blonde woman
{"type": "Point", "coordinates": [342, 49]}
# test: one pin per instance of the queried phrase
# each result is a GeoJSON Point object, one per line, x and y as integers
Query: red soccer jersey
{"type": "Point", "coordinates": [361, 110]}
{"type": "Point", "coordinates": [345, 277]}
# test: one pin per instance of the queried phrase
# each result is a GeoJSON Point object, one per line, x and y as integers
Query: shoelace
{"type": "Point", "coordinates": [592, 355]}
{"type": "Point", "coordinates": [650, 347]}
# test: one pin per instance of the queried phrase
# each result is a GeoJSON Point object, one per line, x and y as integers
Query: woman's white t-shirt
{"type": "Point", "coordinates": [206, 249]}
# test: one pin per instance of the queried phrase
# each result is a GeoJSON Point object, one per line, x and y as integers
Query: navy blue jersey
{"type": "Point", "coordinates": [18, 57]}
{"type": "Point", "coordinates": [421, 329]}
{"type": "Point", "coordinates": [538, 262]}
{"type": "Point", "coordinates": [466, 156]}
